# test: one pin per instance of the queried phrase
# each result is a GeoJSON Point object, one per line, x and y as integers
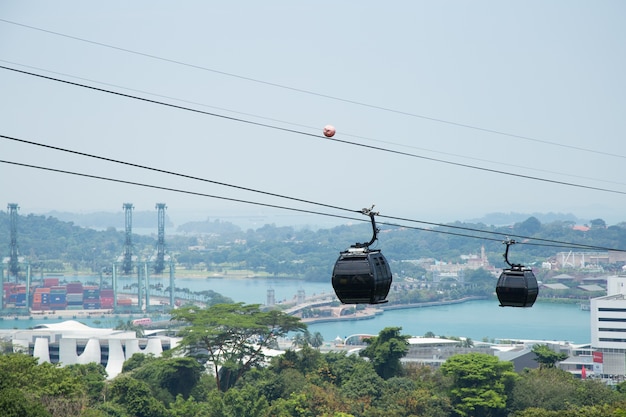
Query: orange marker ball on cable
{"type": "Point", "coordinates": [329, 131]}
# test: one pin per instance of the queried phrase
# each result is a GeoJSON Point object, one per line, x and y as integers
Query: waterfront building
{"type": "Point", "coordinates": [580, 362]}
{"type": "Point", "coordinates": [608, 331]}
{"type": "Point", "coordinates": [587, 260]}
{"type": "Point", "coordinates": [71, 342]}
{"type": "Point", "coordinates": [434, 351]}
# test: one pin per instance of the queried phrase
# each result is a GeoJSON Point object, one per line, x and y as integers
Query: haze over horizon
{"type": "Point", "coordinates": [145, 221]}
{"type": "Point", "coordinates": [444, 111]}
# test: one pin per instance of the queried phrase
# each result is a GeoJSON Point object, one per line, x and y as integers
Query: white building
{"type": "Point", "coordinates": [608, 331]}
{"type": "Point", "coordinates": [71, 342]}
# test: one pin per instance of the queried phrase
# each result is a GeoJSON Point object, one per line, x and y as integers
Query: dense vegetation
{"type": "Point", "coordinates": [305, 383]}
{"type": "Point", "coordinates": [51, 245]}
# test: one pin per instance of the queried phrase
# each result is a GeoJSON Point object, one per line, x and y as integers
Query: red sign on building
{"type": "Point", "coordinates": [598, 357]}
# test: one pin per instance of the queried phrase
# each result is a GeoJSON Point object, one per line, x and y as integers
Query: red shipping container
{"type": "Point", "coordinates": [74, 287]}
{"type": "Point", "coordinates": [50, 282]}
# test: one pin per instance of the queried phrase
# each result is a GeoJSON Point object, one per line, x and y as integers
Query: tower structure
{"type": "Point", "coordinates": [127, 261]}
{"type": "Point", "coordinates": [14, 266]}
{"type": "Point", "coordinates": [159, 264]}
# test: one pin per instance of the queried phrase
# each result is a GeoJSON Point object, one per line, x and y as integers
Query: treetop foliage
{"type": "Point", "coordinates": [231, 337]}
{"type": "Point", "coordinates": [302, 383]}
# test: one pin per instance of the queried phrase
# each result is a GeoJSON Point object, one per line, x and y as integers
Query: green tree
{"type": "Point", "coordinates": [606, 410]}
{"type": "Point", "coordinates": [316, 340]}
{"type": "Point", "coordinates": [598, 223]}
{"type": "Point", "coordinates": [170, 377]}
{"type": "Point", "coordinates": [402, 397]}
{"type": "Point", "coordinates": [135, 396]}
{"type": "Point", "coordinates": [137, 361]}
{"type": "Point", "coordinates": [190, 407]}
{"type": "Point", "coordinates": [59, 391]}
{"type": "Point", "coordinates": [15, 403]}
{"type": "Point", "coordinates": [298, 340]}
{"type": "Point", "coordinates": [547, 388]}
{"type": "Point", "coordinates": [529, 226]}
{"type": "Point", "coordinates": [232, 337]}
{"type": "Point", "coordinates": [546, 357]}
{"type": "Point", "coordinates": [93, 376]}
{"type": "Point", "coordinates": [244, 402]}
{"type": "Point", "coordinates": [386, 350]}
{"type": "Point", "coordinates": [480, 384]}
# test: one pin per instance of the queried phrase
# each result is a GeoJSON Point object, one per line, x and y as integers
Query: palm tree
{"type": "Point", "coordinates": [129, 325]}
{"type": "Point", "coordinates": [298, 340]}
{"type": "Point", "coordinates": [316, 340]}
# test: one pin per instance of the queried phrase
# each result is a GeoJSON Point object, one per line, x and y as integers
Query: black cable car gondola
{"type": "Point", "coordinates": [517, 285]}
{"type": "Point", "coordinates": [362, 275]}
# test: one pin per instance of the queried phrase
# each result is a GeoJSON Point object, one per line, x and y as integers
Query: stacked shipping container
{"type": "Point", "coordinates": [14, 295]}
{"type": "Point", "coordinates": [91, 298]}
{"type": "Point", "coordinates": [106, 298]}
{"type": "Point", "coordinates": [54, 296]}
{"type": "Point", "coordinates": [74, 295]}
{"type": "Point", "coordinates": [58, 298]}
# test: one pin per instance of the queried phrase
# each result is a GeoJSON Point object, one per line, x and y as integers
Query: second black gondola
{"type": "Point", "coordinates": [362, 275]}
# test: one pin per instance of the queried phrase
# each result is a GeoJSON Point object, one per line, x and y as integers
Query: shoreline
{"type": "Point", "coordinates": [372, 312]}
{"type": "Point", "coordinates": [368, 313]}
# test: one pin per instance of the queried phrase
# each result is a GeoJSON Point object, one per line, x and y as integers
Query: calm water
{"type": "Point", "coordinates": [476, 319]}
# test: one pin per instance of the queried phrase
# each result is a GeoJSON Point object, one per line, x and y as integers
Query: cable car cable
{"type": "Point", "coordinates": [490, 232]}
{"type": "Point", "coordinates": [495, 171]}
{"type": "Point", "coordinates": [159, 187]}
{"type": "Point", "coordinates": [508, 164]}
{"type": "Point", "coordinates": [312, 93]}
{"type": "Point", "coordinates": [91, 176]}
{"type": "Point", "coordinates": [163, 171]}
{"type": "Point", "coordinates": [56, 148]}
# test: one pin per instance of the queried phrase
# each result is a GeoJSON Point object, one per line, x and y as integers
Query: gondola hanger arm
{"type": "Point", "coordinates": [369, 212]}
{"type": "Point", "coordinates": [508, 242]}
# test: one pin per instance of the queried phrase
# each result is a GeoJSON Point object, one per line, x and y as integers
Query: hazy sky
{"type": "Point", "coordinates": [461, 92]}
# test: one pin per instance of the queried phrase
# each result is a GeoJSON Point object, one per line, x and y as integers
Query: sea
{"type": "Point", "coordinates": [481, 320]}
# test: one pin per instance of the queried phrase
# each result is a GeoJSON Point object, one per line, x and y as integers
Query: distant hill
{"type": "Point", "coordinates": [206, 226]}
{"type": "Point", "coordinates": [148, 220]}
{"type": "Point", "coordinates": [51, 244]}
{"type": "Point", "coordinates": [103, 220]}
{"type": "Point", "coordinates": [504, 219]}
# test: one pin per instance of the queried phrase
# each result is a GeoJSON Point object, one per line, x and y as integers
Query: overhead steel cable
{"type": "Point", "coordinates": [163, 171]}
{"type": "Point", "coordinates": [316, 94]}
{"type": "Point", "coordinates": [176, 190]}
{"type": "Point", "coordinates": [195, 193]}
{"type": "Point", "coordinates": [334, 139]}
{"type": "Point", "coordinates": [170, 97]}
{"type": "Point", "coordinates": [549, 242]}
{"type": "Point", "coordinates": [508, 163]}
{"type": "Point", "coordinates": [187, 176]}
